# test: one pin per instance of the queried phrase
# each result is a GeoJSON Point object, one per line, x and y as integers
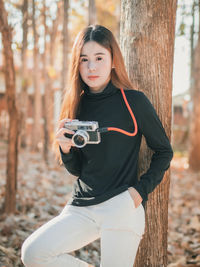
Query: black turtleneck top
{"type": "Point", "coordinates": [110, 167]}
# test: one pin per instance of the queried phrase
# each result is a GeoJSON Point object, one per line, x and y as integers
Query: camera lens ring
{"type": "Point", "coordinates": [80, 138]}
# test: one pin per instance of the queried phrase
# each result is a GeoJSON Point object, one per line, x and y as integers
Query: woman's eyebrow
{"type": "Point", "coordinates": [82, 55]}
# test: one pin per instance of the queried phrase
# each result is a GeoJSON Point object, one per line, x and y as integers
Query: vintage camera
{"type": "Point", "coordinates": [85, 132]}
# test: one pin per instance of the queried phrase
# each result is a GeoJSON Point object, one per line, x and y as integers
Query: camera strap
{"type": "Point", "coordinates": [107, 129]}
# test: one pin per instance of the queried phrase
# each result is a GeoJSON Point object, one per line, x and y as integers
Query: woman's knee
{"type": "Point", "coordinates": [30, 253]}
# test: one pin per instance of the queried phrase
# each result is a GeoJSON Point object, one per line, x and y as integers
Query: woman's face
{"type": "Point", "coordinates": [95, 66]}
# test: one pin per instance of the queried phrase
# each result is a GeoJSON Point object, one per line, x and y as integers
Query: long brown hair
{"type": "Point", "coordinates": [75, 84]}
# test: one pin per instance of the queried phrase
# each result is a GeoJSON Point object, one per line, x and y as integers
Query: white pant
{"type": "Point", "coordinates": [116, 221]}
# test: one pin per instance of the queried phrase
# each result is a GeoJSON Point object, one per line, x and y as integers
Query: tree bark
{"type": "Point", "coordinates": [55, 38]}
{"type": "Point", "coordinates": [65, 44]}
{"type": "Point", "coordinates": [36, 129]}
{"type": "Point", "coordinates": [192, 31]}
{"type": "Point", "coordinates": [46, 92]}
{"type": "Point", "coordinates": [23, 99]}
{"type": "Point", "coordinates": [12, 154]}
{"type": "Point", "coordinates": [147, 33]}
{"type": "Point", "coordinates": [194, 150]}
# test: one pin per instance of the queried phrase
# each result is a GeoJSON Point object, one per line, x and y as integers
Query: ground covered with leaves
{"type": "Point", "coordinates": [44, 190]}
{"type": "Point", "coordinates": [184, 214]}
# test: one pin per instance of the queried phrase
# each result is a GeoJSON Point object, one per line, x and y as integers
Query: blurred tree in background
{"type": "Point", "coordinates": [194, 149]}
{"type": "Point", "coordinates": [38, 35]}
{"type": "Point", "coordinates": [12, 153]}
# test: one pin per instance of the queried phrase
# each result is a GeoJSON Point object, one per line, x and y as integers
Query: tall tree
{"type": "Point", "coordinates": [46, 90]}
{"type": "Point", "coordinates": [194, 151]}
{"type": "Point", "coordinates": [192, 31]}
{"type": "Point", "coordinates": [65, 44]}
{"type": "Point", "coordinates": [12, 155]}
{"type": "Point", "coordinates": [54, 39]}
{"type": "Point", "coordinates": [36, 130]}
{"type": "Point", "coordinates": [49, 57]}
{"type": "Point", "coordinates": [23, 100]}
{"type": "Point", "coordinates": [147, 34]}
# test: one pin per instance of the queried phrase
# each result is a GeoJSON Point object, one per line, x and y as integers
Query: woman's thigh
{"type": "Point", "coordinates": [119, 248]}
{"type": "Point", "coordinates": [121, 231]}
{"type": "Point", "coordinates": [65, 233]}
{"type": "Point", "coordinates": [120, 213]}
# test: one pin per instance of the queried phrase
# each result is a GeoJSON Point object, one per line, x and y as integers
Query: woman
{"type": "Point", "coordinates": [108, 199]}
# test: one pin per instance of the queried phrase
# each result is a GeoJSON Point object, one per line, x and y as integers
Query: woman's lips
{"type": "Point", "coordinates": [93, 77]}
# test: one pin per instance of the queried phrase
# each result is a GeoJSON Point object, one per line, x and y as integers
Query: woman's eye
{"type": "Point", "coordinates": [83, 59]}
{"type": "Point", "coordinates": [99, 58]}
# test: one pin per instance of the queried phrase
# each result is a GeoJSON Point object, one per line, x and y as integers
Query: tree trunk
{"type": "Point", "coordinates": [23, 97]}
{"type": "Point", "coordinates": [46, 92]}
{"type": "Point", "coordinates": [194, 151]}
{"type": "Point", "coordinates": [147, 33]}
{"type": "Point", "coordinates": [65, 44]}
{"type": "Point", "coordinates": [11, 183]}
{"type": "Point", "coordinates": [92, 16]}
{"type": "Point", "coordinates": [36, 129]}
{"type": "Point", "coordinates": [192, 31]}
{"type": "Point", "coordinates": [54, 37]}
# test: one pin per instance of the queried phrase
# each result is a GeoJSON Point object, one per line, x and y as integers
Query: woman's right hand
{"type": "Point", "coordinates": [64, 142]}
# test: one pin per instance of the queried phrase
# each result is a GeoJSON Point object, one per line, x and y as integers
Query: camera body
{"type": "Point", "coordinates": [85, 132]}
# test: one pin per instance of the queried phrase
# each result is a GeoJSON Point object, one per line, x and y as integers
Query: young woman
{"type": "Point", "coordinates": [108, 199]}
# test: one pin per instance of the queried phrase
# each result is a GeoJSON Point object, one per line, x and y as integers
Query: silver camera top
{"type": "Point", "coordinates": [82, 125]}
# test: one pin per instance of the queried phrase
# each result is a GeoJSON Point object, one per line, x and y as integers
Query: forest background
{"type": "Point", "coordinates": [33, 186]}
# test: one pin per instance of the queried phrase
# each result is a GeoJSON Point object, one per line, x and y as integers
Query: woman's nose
{"type": "Point", "coordinates": [91, 66]}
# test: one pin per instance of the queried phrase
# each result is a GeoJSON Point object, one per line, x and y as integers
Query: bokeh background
{"type": "Point", "coordinates": [43, 32]}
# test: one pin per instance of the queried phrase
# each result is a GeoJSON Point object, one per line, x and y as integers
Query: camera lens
{"type": "Point", "coordinates": [80, 138]}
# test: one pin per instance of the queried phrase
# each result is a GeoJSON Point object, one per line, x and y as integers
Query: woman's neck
{"type": "Point", "coordinates": [99, 89]}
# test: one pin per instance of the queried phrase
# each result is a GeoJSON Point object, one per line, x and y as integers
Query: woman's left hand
{"type": "Point", "coordinates": [135, 196]}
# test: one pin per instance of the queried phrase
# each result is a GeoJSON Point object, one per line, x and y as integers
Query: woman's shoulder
{"type": "Point", "coordinates": [139, 100]}
{"type": "Point", "coordinates": [135, 95]}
